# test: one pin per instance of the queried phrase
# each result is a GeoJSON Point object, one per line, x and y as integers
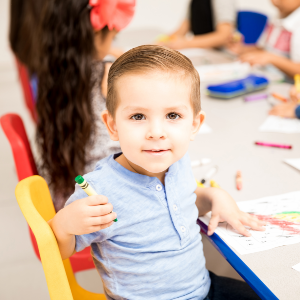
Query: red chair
{"type": "Point", "coordinates": [14, 130]}
{"type": "Point", "coordinates": [27, 91]}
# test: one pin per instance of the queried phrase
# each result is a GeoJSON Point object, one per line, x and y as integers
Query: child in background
{"type": "Point", "coordinates": [290, 109]}
{"type": "Point", "coordinates": [154, 251]}
{"type": "Point", "coordinates": [75, 36]}
{"type": "Point", "coordinates": [280, 42]}
{"type": "Point", "coordinates": [211, 21]}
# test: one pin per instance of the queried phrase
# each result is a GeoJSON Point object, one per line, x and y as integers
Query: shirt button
{"type": "Point", "coordinates": [182, 228]}
{"type": "Point", "coordinates": [175, 207]}
{"type": "Point", "coordinates": [158, 187]}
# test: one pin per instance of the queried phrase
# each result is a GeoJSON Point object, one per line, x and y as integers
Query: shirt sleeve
{"type": "Point", "coordinates": [224, 11]}
{"type": "Point", "coordinates": [297, 112]}
{"type": "Point", "coordinates": [85, 240]}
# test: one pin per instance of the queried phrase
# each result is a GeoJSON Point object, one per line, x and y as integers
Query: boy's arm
{"type": "Point", "coordinates": [224, 208]}
{"type": "Point", "coordinates": [82, 216]}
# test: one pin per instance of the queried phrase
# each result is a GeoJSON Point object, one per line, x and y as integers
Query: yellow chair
{"type": "Point", "coordinates": [34, 199]}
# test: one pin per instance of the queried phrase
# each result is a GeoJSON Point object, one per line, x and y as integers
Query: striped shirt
{"type": "Point", "coordinates": [154, 251]}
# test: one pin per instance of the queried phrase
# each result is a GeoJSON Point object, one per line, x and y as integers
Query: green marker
{"type": "Point", "coordinates": [87, 188]}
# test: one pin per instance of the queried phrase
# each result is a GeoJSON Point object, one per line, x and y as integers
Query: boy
{"type": "Point", "coordinates": [154, 251]}
{"type": "Point", "coordinates": [280, 41]}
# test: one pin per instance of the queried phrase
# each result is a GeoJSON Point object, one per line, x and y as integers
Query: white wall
{"type": "Point", "coordinates": [166, 15]}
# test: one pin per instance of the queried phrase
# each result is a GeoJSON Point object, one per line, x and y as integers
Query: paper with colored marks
{"type": "Point", "coordinates": [282, 213]}
{"type": "Point", "coordinates": [294, 162]}
{"type": "Point", "coordinates": [282, 125]}
{"type": "Point", "coordinates": [204, 129]}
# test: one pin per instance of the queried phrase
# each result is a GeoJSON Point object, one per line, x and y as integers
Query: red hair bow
{"type": "Point", "coordinates": [116, 14]}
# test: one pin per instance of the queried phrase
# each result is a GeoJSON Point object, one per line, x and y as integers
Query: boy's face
{"type": "Point", "coordinates": [286, 6]}
{"type": "Point", "coordinates": [154, 120]}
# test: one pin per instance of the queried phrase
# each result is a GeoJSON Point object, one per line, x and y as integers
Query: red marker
{"type": "Point", "coordinates": [239, 182]}
{"type": "Point", "coordinates": [273, 145]}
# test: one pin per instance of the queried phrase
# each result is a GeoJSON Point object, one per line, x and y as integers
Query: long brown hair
{"type": "Point", "coordinates": [23, 34]}
{"type": "Point", "coordinates": [65, 116]}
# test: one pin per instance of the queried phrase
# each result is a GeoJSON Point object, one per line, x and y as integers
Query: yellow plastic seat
{"type": "Point", "coordinates": [34, 199]}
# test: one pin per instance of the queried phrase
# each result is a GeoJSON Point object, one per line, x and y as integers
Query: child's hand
{"type": "Point", "coordinates": [86, 215]}
{"type": "Point", "coordinates": [285, 110]}
{"type": "Point", "coordinates": [224, 208]}
{"type": "Point", "coordinates": [295, 97]}
{"type": "Point", "coordinates": [258, 57]}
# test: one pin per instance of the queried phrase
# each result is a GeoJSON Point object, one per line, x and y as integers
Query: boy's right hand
{"type": "Point", "coordinates": [87, 215]}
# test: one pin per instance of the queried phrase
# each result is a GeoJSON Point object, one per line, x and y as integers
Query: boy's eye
{"type": "Point", "coordinates": [173, 116]}
{"type": "Point", "coordinates": [138, 117]}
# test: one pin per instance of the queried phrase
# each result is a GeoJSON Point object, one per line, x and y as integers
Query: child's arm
{"type": "Point", "coordinates": [218, 38]}
{"type": "Point", "coordinates": [182, 30]}
{"type": "Point", "coordinates": [224, 208]}
{"type": "Point", "coordinates": [263, 58]}
{"type": "Point", "coordinates": [82, 216]}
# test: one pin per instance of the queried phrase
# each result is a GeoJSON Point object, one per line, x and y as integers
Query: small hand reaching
{"type": "Point", "coordinates": [224, 208]}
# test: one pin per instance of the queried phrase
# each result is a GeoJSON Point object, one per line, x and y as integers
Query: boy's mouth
{"type": "Point", "coordinates": [157, 151]}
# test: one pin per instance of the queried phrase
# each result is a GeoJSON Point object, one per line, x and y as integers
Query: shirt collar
{"type": "Point", "coordinates": [292, 20]}
{"type": "Point", "coordinates": [137, 178]}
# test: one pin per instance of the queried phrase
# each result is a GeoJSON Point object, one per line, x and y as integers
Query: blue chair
{"type": "Point", "coordinates": [251, 25]}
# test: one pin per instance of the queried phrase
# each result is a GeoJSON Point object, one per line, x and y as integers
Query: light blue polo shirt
{"type": "Point", "coordinates": [154, 251]}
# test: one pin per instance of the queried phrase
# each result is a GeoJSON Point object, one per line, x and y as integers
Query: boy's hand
{"type": "Point", "coordinates": [87, 215]}
{"type": "Point", "coordinates": [224, 208]}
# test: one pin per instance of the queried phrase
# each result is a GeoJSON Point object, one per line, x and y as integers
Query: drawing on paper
{"type": "Point", "coordinates": [283, 216]}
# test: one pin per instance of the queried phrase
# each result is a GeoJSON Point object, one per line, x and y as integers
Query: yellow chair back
{"type": "Point", "coordinates": [34, 199]}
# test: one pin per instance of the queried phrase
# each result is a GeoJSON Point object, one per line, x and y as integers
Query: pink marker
{"type": "Point", "coordinates": [273, 145]}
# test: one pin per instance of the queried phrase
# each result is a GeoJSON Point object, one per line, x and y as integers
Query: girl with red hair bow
{"type": "Point", "coordinates": [75, 36]}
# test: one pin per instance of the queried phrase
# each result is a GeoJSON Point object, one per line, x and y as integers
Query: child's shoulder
{"type": "Point", "coordinates": [102, 179]}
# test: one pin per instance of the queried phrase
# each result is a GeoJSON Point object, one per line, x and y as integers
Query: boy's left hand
{"type": "Point", "coordinates": [224, 208]}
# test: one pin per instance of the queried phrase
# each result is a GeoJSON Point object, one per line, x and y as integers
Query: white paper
{"type": "Point", "coordinates": [283, 227]}
{"type": "Point", "coordinates": [282, 125]}
{"type": "Point", "coordinates": [296, 267]}
{"type": "Point", "coordinates": [190, 52]}
{"type": "Point", "coordinates": [204, 129]}
{"type": "Point", "coordinates": [223, 72]}
{"type": "Point", "coordinates": [294, 162]}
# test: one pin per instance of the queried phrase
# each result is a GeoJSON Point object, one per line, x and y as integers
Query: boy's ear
{"type": "Point", "coordinates": [198, 121]}
{"type": "Point", "coordinates": [110, 124]}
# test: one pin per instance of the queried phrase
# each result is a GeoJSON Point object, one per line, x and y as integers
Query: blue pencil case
{"type": "Point", "coordinates": [237, 88]}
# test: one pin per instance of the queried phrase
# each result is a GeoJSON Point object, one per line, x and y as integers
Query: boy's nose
{"type": "Point", "coordinates": [156, 131]}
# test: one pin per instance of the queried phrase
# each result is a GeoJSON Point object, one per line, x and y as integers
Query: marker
{"type": "Point", "coordinates": [273, 145]}
{"type": "Point", "coordinates": [209, 174]}
{"type": "Point", "coordinates": [256, 97]}
{"type": "Point", "coordinates": [297, 82]}
{"type": "Point", "coordinates": [199, 184]}
{"type": "Point", "coordinates": [214, 184]}
{"type": "Point", "coordinates": [87, 188]}
{"type": "Point", "coordinates": [239, 182]}
{"type": "Point", "coordinates": [279, 97]}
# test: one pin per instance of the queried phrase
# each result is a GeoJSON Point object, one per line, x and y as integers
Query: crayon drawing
{"type": "Point", "coordinates": [283, 216]}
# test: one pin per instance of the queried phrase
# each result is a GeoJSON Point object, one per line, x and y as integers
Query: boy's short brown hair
{"type": "Point", "coordinates": [152, 58]}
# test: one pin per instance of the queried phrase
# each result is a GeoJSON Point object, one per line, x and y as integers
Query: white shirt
{"type": "Point", "coordinates": [283, 36]}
